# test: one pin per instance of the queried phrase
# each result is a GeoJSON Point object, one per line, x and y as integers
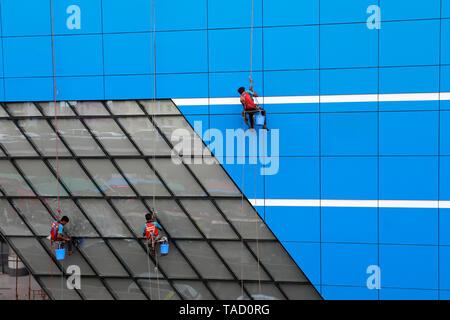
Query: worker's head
{"type": "Point", "coordinates": [64, 220]}
{"type": "Point", "coordinates": [149, 216]}
{"type": "Point", "coordinates": [241, 90]}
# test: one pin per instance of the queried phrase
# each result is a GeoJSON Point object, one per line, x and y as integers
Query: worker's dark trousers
{"type": "Point", "coordinates": [252, 113]}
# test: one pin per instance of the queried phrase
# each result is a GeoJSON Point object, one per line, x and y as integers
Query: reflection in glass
{"type": "Point", "coordinates": [10, 222]}
{"type": "Point", "coordinates": [62, 108]}
{"type": "Point", "coordinates": [133, 211]}
{"type": "Point", "coordinates": [78, 138]}
{"type": "Point", "coordinates": [60, 290]}
{"type": "Point", "coordinates": [13, 141]}
{"type": "Point", "coordinates": [124, 107]}
{"type": "Point", "coordinates": [228, 290]}
{"type": "Point", "coordinates": [159, 107]}
{"type": "Point", "coordinates": [264, 291]}
{"type": "Point", "coordinates": [245, 219]}
{"type": "Point", "coordinates": [125, 289]}
{"type": "Point", "coordinates": [243, 264]}
{"type": "Point", "coordinates": [104, 217]}
{"type": "Point", "coordinates": [208, 219]}
{"type": "Point", "coordinates": [11, 182]}
{"type": "Point", "coordinates": [156, 289]}
{"type": "Point", "coordinates": [43, 137]}
{"type": "Point", "coordinates": [102, 258]}
{"type": "Point", "coordinates": [300, 292]}
{"type": "Point", "coordinates": [35, 214]}
{"type": "Point", "coordinates": [135, 256]}
{"type": "Point", "coordinates": [89, 108]}
{"type": "Point", "coordinates": [142, 177]}
{"type": "Point", "coordinates": [111, 137]}
{"type": "Point", "coordinates": [40, 177]}
{"type": "Point", "coordinates": [193, 290]}
{"type": "Point", "coordinates": [108, 178]}
{"type": "Point", "coordinates": [74, 178]}
{"type": "Point", "coordinates": [23, 109]}
{"type": "Point", "coordinates": [93, 289]}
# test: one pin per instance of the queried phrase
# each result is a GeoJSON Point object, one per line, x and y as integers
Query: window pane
{"type": "Point", "coordinates": [104, 218]}
{"type": "Point", "coordinates": [125, 289]}
{"type": "Point", "coordinates": [78, 226]}
{"type": "Point", "coordinates": [177, 130]}
{"type": "Point", "coordinates": [204, 259]}
{"type": "Point", "coordinates": [209, 220]}
{"type": "Point", "coordinates": [245, 219]}
{"type": "Point", "coordinates": [142, 177]}
{"type": "Point", "coordinates": [146, 137]}
{"type": "Point", "coordinates": [193, 290]}
{"type": "Point", "coordinates": [40, 177]}
{"type": "Point", "coordinates": [89, 108]}
{"type": "Point", "coordinates": [124, 107]}
{"type": "Point", "coordinates": [12, 182]}
{"type": "Point", "coordinates": [23, 109]}
{"type": "Point", "coordinates": [174, 219]}
{"type": "Point", "coordinates": [133, 211]}
{"type": "Point", "coordinates": [10, 222]}
{"type": "Point", "coordinates": [228, 290]}
{"type": "Point", "coordinates": [13, 141]}
{"type": "Point", "coordinates": [156, 289]}
{"type": "Point", "coordinates": [102, 258]}
{"type": "Point", "coordinates": [274, 257]}
{"type": "Point", "coordinates": [111, 137]}
{"type": "Point", "coordinates": [93, 289]}
{"type": "Point", "coordinates": [78, 138]}
{"type": "Point", "coordinates": [43, 137]}
{"type": "Point", "coordinates": [178, 179]}
{"type": "Point", "coordinates": [135, 257]}
{"type": "Point", "coordinates": [3, 112]}
{"type": "Point", "coordinates": [214, 178]}
{"type": "Point", "coordinates": [300, 292]}
{"type": "Point", "coordinates": [60, 290]}
{"type": "Point", "coordinates": [74, 178]}
{"type": "Point", "coordinates": [108, 178]}
{"type": "Point", "coordinates": [243, 264]}
{"type": "Point", "coordinates": [34, 255]}
{"type": "Point", "coordinates": [159, 107]}
{"type": "Point", "coordinates": [36, 215]}
{"type": "Point", "coordinates": [174, 265]}
{"type": "Point", "coordinates": [62, 108]}
{"type": "Point", "coordinates": [264, 291]}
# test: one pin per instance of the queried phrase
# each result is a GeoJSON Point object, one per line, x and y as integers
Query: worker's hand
{"type": "Point", "coordinates": [250, 78]}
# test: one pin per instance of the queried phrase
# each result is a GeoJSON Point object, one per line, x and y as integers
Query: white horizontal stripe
{"type": "Point", "coordinates": [349, 203]}
{"type": "Point", "coordinates": [395, 97]}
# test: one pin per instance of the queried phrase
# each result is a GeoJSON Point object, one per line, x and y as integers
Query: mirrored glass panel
{"type": "Point", "coordinates": [159, 107]}
{"type": "Point", "coordinates": [133, 211]}
{"type": "Point", "coordinates": [228, 290]}
{"type": "Point", "coordinates": [300, 292]}
{"type": "Point", "coordinates": [34, 255]}
{"type": "Point", "coordinates": [146, 136]}
{"type": "Point", "coordinates": [60, 290]}
{"type": "Point", "coordinates": [142, 177]}
{"type": "Point", "coordinates": [214, 178]}
{"type": "Point", "coordinates": [135, 257]}
{"type": "Point", "coordinates": [3, 112]}
{"type": "Point", "coordinates": [23, 109]}
{"type": "Point", "coordinates": [13, 141]}
{"type": "Point", "coordinates": [73, 176]}
{"type": "Point", "coordinates": [208, 219]}
{"type": "Point", "coordinates": [111, 137]}
{"type": "Point", "coordinates": [245, 219]}
{"type": "Point", "coordinates": [93, 289]}
{"type": "Point", "coordinates": [125, 289]}
{"type": "Point", "coordinates": [264, 291]}
{"type": "Point", "coordinates": [124, 107]}
{"type": "Point", "coordinates": [10, 222]}
{"type": "Point", "coordinates": [35, 214]}
{"type": "Point", "coordinates": [62, 108]}
{"type": "Point", "coordinates": [78, 138]}
{"type": "Point", "coordinates": [276, 260]}
{"type": "Point", "coordinates": [89, 108]}
{"type": "Point", "coordinates": [111, 182]}
{"type": "Point", "coordinates": [43, 137]}
{"type": "Point", "coordinates": [204, 259]}
{"type": "Point", "coordinates": [104, 217]}
{"type": "Point", "coordinates": [177, 178]}
{"type": "Point", "coordinates": [11, 182]}
{"type": "Point", "coordinates": [40, 177]}
{"type": "Point", "coordinates": [102, 258]}
{"type": "Point", "coordinates": [156, 289]}
{"type": "Point", "coordinates": [243, 264]}
{"type": "Point", "coordinates": [193, 290]}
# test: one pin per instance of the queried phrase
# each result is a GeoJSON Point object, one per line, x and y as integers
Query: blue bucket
{"type": "Point", "coordinates": [259, 119]}
{"type": "Point", "coordinates": [60, 254]}
{"type": "Point", "coordinates": [164, 248]}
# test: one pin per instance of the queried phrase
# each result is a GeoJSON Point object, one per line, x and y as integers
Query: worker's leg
{"type": "Point", "coordinates": [252, 120]}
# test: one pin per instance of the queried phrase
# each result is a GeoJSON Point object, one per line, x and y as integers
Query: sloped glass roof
{"type": "Point", "coordinates": [115, 165]}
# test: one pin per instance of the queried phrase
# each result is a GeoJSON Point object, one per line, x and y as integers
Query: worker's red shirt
{"type": "Point", "coordinates": [247, 101]}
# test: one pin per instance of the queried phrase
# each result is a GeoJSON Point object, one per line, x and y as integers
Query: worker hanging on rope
{"type": "Point", "coordinates": [151, 231]}
{"type": "Point", "coordinates": [250, 106]}
{"type": "Point", "coordinates": [56, 234]}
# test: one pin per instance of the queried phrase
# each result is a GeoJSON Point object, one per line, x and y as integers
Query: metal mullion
{"type": "Point", "coordinates": [214, 203]}
{"type": "Point", "coordinates": [117, 197]}
{"type": "Point", "coordinates": [117, 212]}
{"type": "Point", "coordinates": [145, 204]}
{"type": "Point", "coordinates": [208, 241]}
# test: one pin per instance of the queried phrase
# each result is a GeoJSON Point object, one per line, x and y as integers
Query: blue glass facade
{"type": "Point", "coordinates": [363, 150]}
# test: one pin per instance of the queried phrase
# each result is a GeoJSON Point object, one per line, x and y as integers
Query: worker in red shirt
{"type": "Point", "coordinates": [250, 107]}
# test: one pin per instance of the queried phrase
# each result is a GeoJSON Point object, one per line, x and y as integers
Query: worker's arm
{"type": "Point", "coordinates": [251, 87]}
{"type": "Point", "coordinates": [158, 225]}
{"type": "Point", "coordinates": [60, 234]}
